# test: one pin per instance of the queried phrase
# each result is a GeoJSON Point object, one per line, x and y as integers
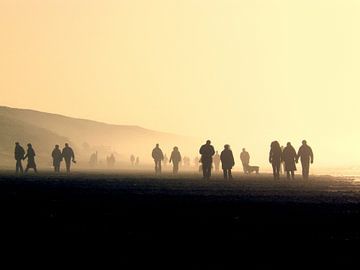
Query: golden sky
{"type": "Point", "coordinates": [243, 72]}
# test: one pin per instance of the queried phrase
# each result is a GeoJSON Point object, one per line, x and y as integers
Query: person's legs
{"type": "Point", "coordinates": [229, 174]}
{"type": "Point", "coordinates": [67, 163]}
{"type": "Point", "coordinates": [292, 175]}
{"type": "Point", "coordinates": [35, 170]}
{"type": "Point", "coordinates": [225, 174]}
{"type": "Point", "coordinates": [156, 166]}
{"type": "Point", "coordinates": [288, 175]}
{"type": "Point", "coordinates": [159, 166]}
{"type": "Point", "coordinates": [274, 170]}
{"type": "Point", "coordinates": [305, 169]}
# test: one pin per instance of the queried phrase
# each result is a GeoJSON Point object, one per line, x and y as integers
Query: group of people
{"type": "Point", "coordinates": [277, 156]}
{"type": "Point", "coordinates": [58, 155]}
{"type": "Point", "coordinates": [289, 157]}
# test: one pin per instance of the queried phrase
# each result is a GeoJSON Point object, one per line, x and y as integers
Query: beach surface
{"type": "Point", "coordinates": [187, 220]}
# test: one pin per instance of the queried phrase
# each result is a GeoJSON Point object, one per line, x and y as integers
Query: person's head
{"type": "Point", "coordinates": [208, 142]}
{"type": "Point", "coordinates": [243, 150]}
{"type": "Point", "coordinates": [226, 146]}
{"type": "Point", "coordinates": [66, 145]}
{"type": "Point", "coordinates": [288, 144]}
{"type": "Point", "coordinates": [57, 146]}
{"type": "Point", "coordinates": [176, 148]}
{"type": "Point", "coordinates": [29, 145]}
{"type": "Point", "coordinates": [17, 144]}
{"type": "Point", "coordinates": [157, 145]}
{"type": "Point", "coordinates": [275, 144]}
{"type": "Point", "coordinates": [304, 142]}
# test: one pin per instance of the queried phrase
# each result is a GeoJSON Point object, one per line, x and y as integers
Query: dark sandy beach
{"type": "Point", "coordinates": [187, 221]}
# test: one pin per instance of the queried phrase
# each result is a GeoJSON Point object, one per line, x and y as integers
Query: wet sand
{"type": "Point", "coordinates": [186, 220]}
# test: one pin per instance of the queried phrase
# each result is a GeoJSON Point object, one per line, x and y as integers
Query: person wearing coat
{"type": "Point", "coordinates": [68, 155]}
{"type": "Point", "coordinates": [289, 157]}
{"type": "Point", "coordinates": [19, 154]}
{"type": "Point", "coordinates": [227, 161]}
{"type": "Point", "coordinates": [158, 156]}
{"type": "Point", "coordinates": [206, 151]}
{"type": "Point", "coordinates": [30, 156]}
{"type": "Point", "coordinates": [306, 156]}
{"type": "Point", "coordinates": [175, 158]}
{"type": "Point", "coordinates": [57, 158]}
{"type": "Point", "coordinates": [275, 158]}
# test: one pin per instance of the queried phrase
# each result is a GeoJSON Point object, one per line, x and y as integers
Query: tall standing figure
{"type": "Point", "coordinates": [206, 151]}
{"type": "Point", "coordinates": [19, 156]}
{"type": "Point", "coordinates": [227, 161]}
{"type": "Point", "coordinates": [289, 155]}
{"type": "Point", "coordinates": [68, 155]}
{"type": "Point", "coordinates": [57, 158]}
{"type": "Point", "coordinates": [275, 158]}
{"type": "Point", "coordinates": [30, 156]}
{"type": "Point", "coordinates": [245, 160]}
{"type": "Point", "coordinates": [158, 156]}
{"type": "Point", "coordinates": [306, 156]}
{"type": "Point", "coordinates": [175, 158]}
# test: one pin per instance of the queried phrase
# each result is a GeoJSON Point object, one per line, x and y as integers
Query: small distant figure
{"type": "Point", "coordinates": [306, 156]}
{"type": "Point", "coordinates": [206, 151]}
{"type": "Point", "coordinates": [69, 156]}
{"type": "Point", "coordinates": [110, 160]}
{"type": "Point", "coordinates": [275, 158]}
{"type": "Point", "coordinates": [30, 156]}
{"type": "Point", "coordinates": [186, 161]}
{"type": "Point", "coordinates": [227, 162]}
{"type": "Point", "coordinates": [57, 158]}
{"type": "Point", "coordinates": [196, 162]}
{"type": "Point", "coordinates": [19, 154]}
{"type": "Point", "coordinates": [289, 157]}
{"type": "Point", "coordinates": [217, 161]}
{"type": "Point", "coordinates": [132, 160]}
{"type": "Point", "coordinates": [158, 156]}
{"type": "Point", "coordinates": [175, 158]}
{"type": "Point", "coordinates": [245, 160]}
{"type": "Point", "coordinates": [165, 160]}
{"type": "Point", "coordinates": [93, 161]}
{"type": "Point", "coordinates": [137, 161]}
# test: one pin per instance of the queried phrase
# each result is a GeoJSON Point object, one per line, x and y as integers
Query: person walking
{"type": "Point", "coordinates": [227, 161]}
{"type": "Point", "coordinates": [175, 158]}
{"type": "Point", "coordinates": [245, 160]}
{"type": "Point", "coordinates": [69, 156]}
{"type": "Point", "coordinates": [19, 156]}
{"type": "Point", "coordinates": [289, 158]}
{"type": "Point", "coordinates": [57, 158]}
{"type": "Point", "coordinates": [30, 156]}
{"type": "Point", "coordinates": [306, 156]}
{"type": "Point", "coordinates": [206, 151]}
{"type": "Point", "coordinates": [158, 156]}
{"type": "Point", "coordinates": [275, 158]}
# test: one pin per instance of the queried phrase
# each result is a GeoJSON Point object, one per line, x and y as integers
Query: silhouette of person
{"type": "Point", "coordinates": [111, 161]}
{"type": "Point", "coordinates": [245, 160]}
{"type": "Point", "coordinates": [57, 158]}
{"type": "Point", "coordinates": [227, 161]}
{"type": "Point", "coordinates": [175, 158]}
{"type": "Point", "coordinates": [158, 156]}
{"type": "Point", "coordinates": [216, 159]}
{"type": "Point", "coordinates": [68, 155]}
{"type": "Point", "coordinates": [289, 155]}
{"type": "Point", "coordinates": [306, 156]}
{"type": "Point", "coordinates": [132, 159]}
{"type": "Point", "coordinates": [19, 156]}
{"type": "Point", "coordinates": [137, 161]}
{"type": "Point", "coordinates": [93, 159]}
{"type": "Point", "coordinates": [30, 156]}
{"type": "Point", "coordinates": [275, 158]}
{"type": "Point", "coordinates": [206, 151]}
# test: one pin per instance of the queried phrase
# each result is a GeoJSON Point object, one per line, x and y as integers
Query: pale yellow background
{"type": "Point", "coordinates": [241, 72]}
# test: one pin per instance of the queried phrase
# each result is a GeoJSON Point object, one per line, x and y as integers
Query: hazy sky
{"type": "Point", "coordinates": [239, 71]}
